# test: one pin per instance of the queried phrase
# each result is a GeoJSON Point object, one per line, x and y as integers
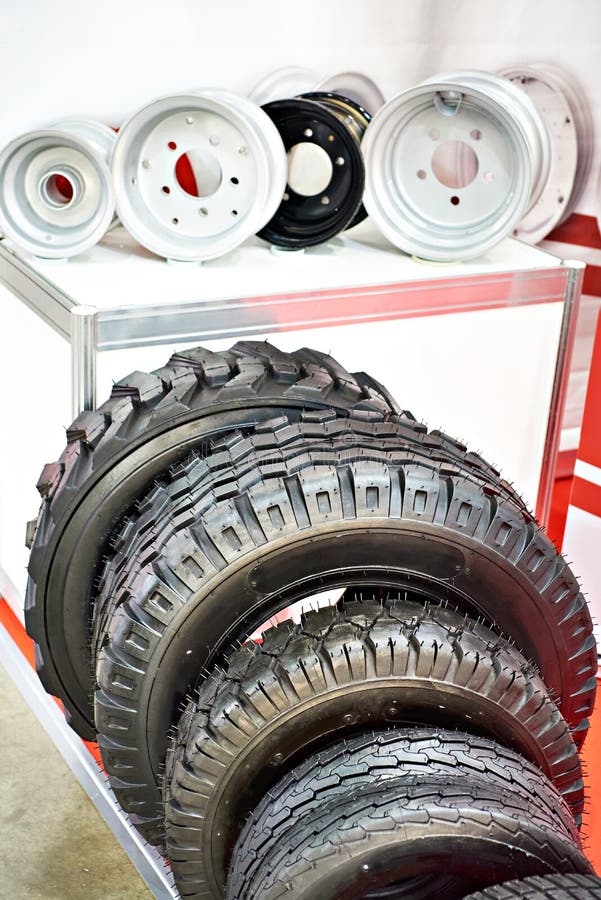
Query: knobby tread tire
{"type": "Point", "coordinates": [243, 386]}
{"type": "Point", "coordinates": [163, 511]}
{"type": "Point", "coordinates": [236, 552]}
{"type": "Point", "coordinates": [339, 671]}
{"type": "Point", "coordinates": [464, 833]}
{"type": "Point", "coordinates": [373, 757]}
{"type": "Point", "coordinates": [544, 887]}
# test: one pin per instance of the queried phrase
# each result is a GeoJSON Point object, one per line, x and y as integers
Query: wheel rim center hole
{"type": "Point", "coordinates": [58, 190]}
{"type": "Point", "coordinates": [455, 164]}
{"type": "Point", "coordinates": [309, 169]}
{"type": "Point", "coordinates": [198, 173]}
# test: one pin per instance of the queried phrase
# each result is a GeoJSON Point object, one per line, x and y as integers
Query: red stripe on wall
{"type": "Point", "coordinates": [586, 496]}
{"type": "Point", "coordinates": [578, 229]}
{"type": "Point", "coordinates": [590, 436]}
{"type": "Point", "coordinates": [591, 283]}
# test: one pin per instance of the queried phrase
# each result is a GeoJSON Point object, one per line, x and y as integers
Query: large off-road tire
{"type": "Point", "coordinates": [372, 757]}
{"type": "Point", "coordinates": [233, 461]}
{"type": "Point", "coordinates": [413, 838]}
{"type": "Point", "coordinates": [279, 525]}
{"type": "Point", "coordinates": [112, 456]}
{"type": "Point", "coordinates": [544, 887]}
{"type": "Point", "coordinates": [338, 672]}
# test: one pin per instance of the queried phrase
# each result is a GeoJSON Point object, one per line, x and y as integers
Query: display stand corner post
{"type": "Point", "coordinates": [575, 274]}
{"type": "Point", "coordinates": [84, 329]}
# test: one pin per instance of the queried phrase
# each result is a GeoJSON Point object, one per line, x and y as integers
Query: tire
{"type": "Point", "coordinates": [544, 887]}
{"type": "Point", "coordinates": [430, 837]}
{"type": "Point", "coordinates": [271, 534]}
{"type": "Point", "coordinates": [112, 456]}
{"type": "Point", "coordinates": [369, 759]}
{"type": "Point", "coordinates": [338, 672]}
{"type": "Point", "coordinates": [166, 508]}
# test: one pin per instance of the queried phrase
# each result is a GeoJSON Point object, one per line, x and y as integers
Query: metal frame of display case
{"type": "Point", "coordinates": [92, 330]}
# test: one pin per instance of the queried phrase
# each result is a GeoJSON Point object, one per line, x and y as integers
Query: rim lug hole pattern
{"type": "Point", "coordinates": [322, 134]}
{"type": "Point", "coordinates": [469, 131]}
{"type": "Point", "coordinates": [60, 201]}
{"type": "Point", "coordinates": [181, 151]}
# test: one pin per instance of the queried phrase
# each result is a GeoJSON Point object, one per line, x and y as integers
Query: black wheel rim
{"type": "Point", "coordinates": [304, 220]}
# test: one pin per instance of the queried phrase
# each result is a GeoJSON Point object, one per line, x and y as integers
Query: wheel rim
{"type": "Point", "coordinates": [233, 160]}
{"type": "Point", "coordinates": [325, 186]}
{"type": "Point", "coordinates": [583, 121]}
{"type": "Point", "coordinates": [283, 84]}
{"type": "Point", "coordinates": [457, 210]}
{"type": "Point", "coordinates": [356, 117]}
{"type": "Point", "coordinates": [56, 192]}
{"type": "Point", "coordinates": [525, 114]}
{"type": "Point", "coordinates": [356, 87]}
{"type": "Point", "coordinates": [555, 111]}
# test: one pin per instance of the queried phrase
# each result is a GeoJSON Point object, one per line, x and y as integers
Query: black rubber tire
{"type": "Point", "coordinates": [341, 671]}
{"type": "Point", "coordinates": [267, 535]}
{"type": "Point", "coordinates": [371, 758]}
{"type": "Point", "coordinates": [442, 836]}
{"type": "Point", "coordinates": [112, 456]}
{"type": "Point", "coordinates": [235, 456]}
{"type": "Point", "coordinates": [544, 887]}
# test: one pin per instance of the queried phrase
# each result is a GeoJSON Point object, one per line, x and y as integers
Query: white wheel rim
{"type": "Point", "coordinates": [244, 163]}
{"type": "Point", "coordinates": [525, 114]}
{"type": "Point", "coordinates": [44, 223]}
{"type": "Point", "coordinates": [583, 120]}
{"type": "Point", "coordinates": [404, 196]}
{"type": "Point", "coordinates": [356, 87]}
{"type": "Point", "coordinates": [98, 135]}
{"type": "Point", "coordinates": [555, 111]}
{"type": "Point", "coordinates": [284, 84]}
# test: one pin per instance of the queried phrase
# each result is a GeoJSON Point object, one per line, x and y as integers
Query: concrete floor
{"type": "Point", "coordinates": [53, 843]}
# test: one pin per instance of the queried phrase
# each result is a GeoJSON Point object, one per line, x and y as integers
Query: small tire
{"type": "Point", "coordinates": [544, 887]}
{"type": "Point", "coordinates": [419, 838]}
{"type": "Point", "coordinates": [371, 758]}
{"type": "Point", "coordinates": [338, 672]}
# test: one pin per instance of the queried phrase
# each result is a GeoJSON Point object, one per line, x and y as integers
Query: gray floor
{"type": "Point", "coordinates": [53, 843]}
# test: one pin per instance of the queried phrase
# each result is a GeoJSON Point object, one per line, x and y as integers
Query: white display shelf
{"type": "Point", "coordinates": [131, 289]}
{"type": "Point", "coordinates": [119, 296]}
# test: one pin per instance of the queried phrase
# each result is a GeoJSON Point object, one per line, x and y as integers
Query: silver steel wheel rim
{"type": "Point", "coordinates": [526, 116]}
{"type": "Point", "coordinates": [37, 218]}
{"type": "Point", "coordinates": [555, 111]}
{"type": "Point", "coordinates": [242, 152]}
{"type": "Point", "coordinates": [283, 84]}
{"type": "Point", "coordinates": [583, 121]}
{"type": "Point", "coordinates": [357, 87]}
{"type": "Point", "coordinates": [404, 197]}
{"type": "Point", "coordinates": [98, 135]}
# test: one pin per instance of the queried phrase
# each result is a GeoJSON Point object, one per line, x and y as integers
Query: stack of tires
{"type": "Point", "coordinates": [325, 652]}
